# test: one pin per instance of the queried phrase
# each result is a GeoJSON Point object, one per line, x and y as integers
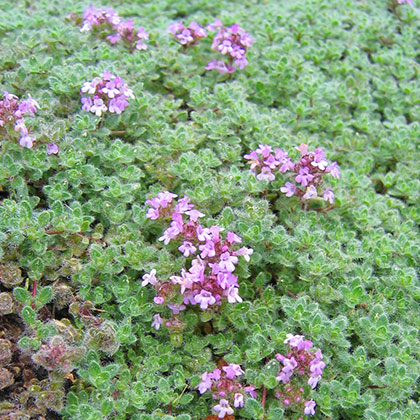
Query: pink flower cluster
{"type": "Point", "coordinates": [308, 171]}
{"type": "Point", "coordinates": [187, 36]}
{"type": "Point", "coordinates": [11, 115]}
{"type": "Point", "coordinates": [224, 385]}
{"type": "Point", "coordinates": [210, 279]}
{"type": "Point", "coordinates": [410, 2]}
{"type": "Point", "coordinates": [108, 20]}
{"type": "Point", "coordinates": [231, 41]}
{"type": "Point", "coordinates": [297, 363]}
{"type": "Point", "coordinates": [107, 93]}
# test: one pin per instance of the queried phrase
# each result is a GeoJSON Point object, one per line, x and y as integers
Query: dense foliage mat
{"type": "Point", "coordinates": [82, 333]}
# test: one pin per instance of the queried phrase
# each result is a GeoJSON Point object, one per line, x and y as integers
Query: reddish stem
{"type": "Point", "coordinates": [170, 409]}
{"type": "Point", "coordinates": [33, 293]}
{"type": "Point", "coordinates": [264, 395]}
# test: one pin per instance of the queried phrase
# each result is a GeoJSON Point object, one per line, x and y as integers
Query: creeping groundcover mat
{"type": "Point", "coordinates": [209, 209]}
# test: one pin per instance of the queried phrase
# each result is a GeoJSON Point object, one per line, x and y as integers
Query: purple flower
{"type": "Point", "coordinates": [220, 66]}
{"type": "Point", "coordinates": [207, 250]}
{"type": "Point", "coordinates": [293, 340]}
{"type": "Point", "coordinates": [215, 374]}
{"type": "Point", "coordinates": [304, 177]}
{"type": "Point", "coordinates": [114, 38]}
{"type": "Point", "coordinates": [223, 408]}
{"type": "Point", "coordinates": [245, 252]}
{"type": "Point", "coordinates": [334, 170]}
{"type": "Point", "coordinates": [310, 407]}
{"type": "Point", "coordinates": [264, 150]}
{"type": "Point", "coordinates": [29, 105]}
{"type": "Point", "coordinates": [194, 215]}
{"type": "Point", "coordinates": [187, 248]}
{"type": "Point", "coordinates": [20, 125]}
{"type": "Point", "coordinates": [238, 400]}
{"type": "Point", "coordinates": [157, 321]}
{"type": "Point", "coordinates": [319, 159]}
{"type": "Point", "coordinates": [205, 298]}
{"type": "Point", "coordinates": [313, 380]}
{"type": "Point", "coordinates": [289, 189]}
{"type": "Point", "coordinates": [149, 278]}
{"type": "Point", "coordinates": [233, 237]}
{"type": "Point", "coordinates": [205, 383]}
{"type": "Point", "coordinates": [87, 103]}
{"type": "Point", "coordinates": [26, 141]}
{"type": "Point", "coordinates": [176, 309]}
{"type": "Point", "coordinates": [187, 36]}
{"type": "Point", "coordinates": [158, 300]}
{"type": "Point", "coordinates": [233, 296]}
{"type": "Point", "coordinates": [184, 281]}
{"type": "Point", "coordinates": [98, 107]}
{"type": "Point", "coordinates": [328, 195]}
{"type": "Point", "coordinates": [227, 262]}
{"type": "Point", "coordinates": [251, 391]}
{"type": "Point", "coordinates": [410, 2]}
{"type": "Point", "coordinates": [52, 148]}
{"type": "Point", "coordinates": [233, 370]}
{"type": "Point", "coordinates": [266, 174]}
{"type": "Point", "coordinates": [117, 105]}
{"type": "Point", "coordinates": [310, 193]}
{"type": "Point", "coordinates": [109, 93]}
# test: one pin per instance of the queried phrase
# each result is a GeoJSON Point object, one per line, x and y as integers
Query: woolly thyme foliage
{"type": "Point", "coordinates": [309, 170]}
{"type": "Point", "coordinates": [210, 279]}
{"type": "Point", "coordinates": [225, 387]}
{"type": "Point", "coordinates": [298, 364]}
{"type": "Point", "coordinates": [11, 116]}
{"type": "Point", "coordinates": [107, 93]}
{"type": "Point", "coordinates": [232, 41]}
{"type": "Point", "coordinates": [187, 36]}
{"type": "Point", "coordinates": [107, 20]}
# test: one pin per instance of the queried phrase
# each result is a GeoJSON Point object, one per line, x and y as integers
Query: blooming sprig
{"type": "Point", "coordinates": [225, 387]}
{"type": "Point", "coordinates": [189, 35]}
{"type": "Point", "coordinates": [300, 365]}
{"type": "Point", "coordinates": [106, 93]}
{"type": "Point", "coordinates": [231, 41]}
{"type": "Point", "coordinates": [308, 171]}
{"type": "Point", "coordinates": [209, 280]}
{"type": "Point", "coordinates": [107, 21]}
{"type": "Point", "coordinates": [11, 116]}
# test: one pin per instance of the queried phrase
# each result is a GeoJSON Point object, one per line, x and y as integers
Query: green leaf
{"type": "Point", "coordinates": [44, 218]}
{"type": "Point", "coordinates": [45, 331]}
{"type": "Point", "coordinates": [252, 409]}
{"type": "Point", "coordinates": [28, 315]}
{"type": "Point", "coordinates": [186, 398]}
{"type": "Point", "coordinates": [45, 295]}
{"type": "Point", "coordinates": [94, 369]}
{"type": "Point", "coordinates": [21, 294]}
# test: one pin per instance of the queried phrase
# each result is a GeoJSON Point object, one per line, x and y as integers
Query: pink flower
{"type": "Point", "coordinates": [157, 321]}
{"type": "Point", "coordinates": [310, 408]}
{"type": "Point", "coordinates": [187, 248]}
{"type": "Point", "coordinates": [238, 400]}
{"type": "Point", "coordinates": [233, 370]}
{"type": "Point", "coordinates": [149, 278]}
{"type": "Point", "coordinates": [52, 149]}
{"type": "Point", "coordinates": [223, 408]}
{"type": "Point", "coordinates": [205, 298]}
{"type": "Point", "coordinates": [289, 189]}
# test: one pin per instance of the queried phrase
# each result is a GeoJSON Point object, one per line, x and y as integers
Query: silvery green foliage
{"type": "Point", "coordinates": [339, 75]}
